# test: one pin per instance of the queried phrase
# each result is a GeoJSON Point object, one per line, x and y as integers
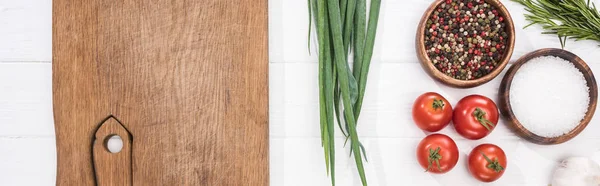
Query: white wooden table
{"type": "Point", "coordinates": [385, 126]}
{"type": "Point", "coordinates": [27, 145]}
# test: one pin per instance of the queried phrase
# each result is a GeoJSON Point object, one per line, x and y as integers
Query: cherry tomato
{"type": "Point", "coordinates": [431, 112]}
{"type": "Point", "coordinates": [437, 153]}
{"type": "Point", "coordinates": [487, 162]}
{"type": "Point", "coordinates": [475, 116]}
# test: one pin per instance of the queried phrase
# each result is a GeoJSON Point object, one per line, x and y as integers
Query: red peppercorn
{"type": "Point", "coordinates": [446, 27]}
{"type": "Point", "coordinates": [481, 11]}
{"type": "Point", "coordinates": [470, 50]}
{"type": "Point", "coordinates": [490, 53]}
{"type": "Point", "coordinates": [470, 5]}
{"type": "Point", "coordinates": [483, 63]}
{"type": "Point", "coordinates": [501, 19]}
{"type": "Point", "coordinates": [433, 26]}
{"type": "Point", "coordinates": [434, 33]}
{"type": "Point", "coordinates": [455, 7]}
{"type": "Point", "coordinates": [448, 1]}
{"type": "Point", "coordinates": [501, 38]}
{"type": "Point", "coordinates": [437, 51]}
{"type": "Point", "coordinates": [495, 12]}
{"type": "Point", "coordinates": [498, 46]}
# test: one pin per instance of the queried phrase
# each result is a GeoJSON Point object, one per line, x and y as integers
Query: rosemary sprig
{"type": "Point", "coordinates": [575, 19]}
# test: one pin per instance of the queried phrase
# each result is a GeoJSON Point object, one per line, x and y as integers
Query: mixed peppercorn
{"type": "Point", "coordinates": [465, 39]}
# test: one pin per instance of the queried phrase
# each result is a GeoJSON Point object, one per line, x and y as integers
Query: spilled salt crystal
{"type": "Point", "coordinates": [549, 96]}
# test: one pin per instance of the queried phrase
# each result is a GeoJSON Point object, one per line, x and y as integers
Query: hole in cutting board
{"type": "Point", "coordinates": [113, 143]}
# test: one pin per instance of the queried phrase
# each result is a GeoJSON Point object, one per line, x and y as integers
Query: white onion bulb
{"type": "Point", "coordinates": [577, 171]}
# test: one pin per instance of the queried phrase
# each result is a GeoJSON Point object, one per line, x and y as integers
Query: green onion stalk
{"type": "Point", "coordinates": [341, 27]}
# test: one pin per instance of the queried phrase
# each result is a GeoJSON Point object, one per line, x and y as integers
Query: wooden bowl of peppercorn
{"type": "Point", "coordinates": [465, 43]}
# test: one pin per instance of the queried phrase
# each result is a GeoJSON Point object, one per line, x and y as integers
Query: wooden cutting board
{"type": "Point", "coordinates": [183, 82]}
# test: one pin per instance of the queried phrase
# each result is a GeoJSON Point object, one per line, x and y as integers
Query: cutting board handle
{"type": "Point", "coordinates": [112, 168]}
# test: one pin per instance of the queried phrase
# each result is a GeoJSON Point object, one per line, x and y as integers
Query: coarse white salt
{"type": "Point", "coordinates": [549, 96]}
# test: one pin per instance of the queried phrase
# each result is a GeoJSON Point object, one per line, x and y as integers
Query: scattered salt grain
{"type": "Point", "coordinates": [549, 96]}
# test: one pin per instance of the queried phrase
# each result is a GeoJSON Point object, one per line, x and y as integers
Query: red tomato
{"type": "Point", "coordinates": [431, 112]}
{"type": "Point", "coordinates": [437, 153]}
{"type": "Point", "coordinates": [487, 162]}
{"type": "Point", "coordinates": [475, 116]}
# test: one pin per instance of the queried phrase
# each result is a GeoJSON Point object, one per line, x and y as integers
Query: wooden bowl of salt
{"type": "Point", "coordinates": [538, 133]}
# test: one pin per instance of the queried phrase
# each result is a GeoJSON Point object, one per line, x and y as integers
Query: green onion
{"type": "Point", "coordinates": [341, 27]}
{"type": "Point", "coordinates": [368, 52]}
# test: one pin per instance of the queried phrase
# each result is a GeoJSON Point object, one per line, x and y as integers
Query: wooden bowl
{"type": "Point", "coordinates": [506, 109]}
{"type": "Point", "coordinates": [436, 74]}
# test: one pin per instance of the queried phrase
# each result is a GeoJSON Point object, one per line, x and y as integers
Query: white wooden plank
{"type": "Point", "coordinates": [395, 40]}
{"type": "Point", "coordinates": [276, 99]}
{"type": "Point", "coordinates": [396, 33]}
{"type": "Point", "coordinates": [276, 30]}
{"type": "Point", "coordinates": [27, 161]}
{"type": "Point", "coordinates": [276, 160]}
{"type": "Point", "coordinates": [26, 99]}
{"type": "Point", "coordinates": [388, 133]}
{"type": "Point", "coordinates": [392, 161]}
{"type": "Point", "coordinates": [26, 30]}
{"type": "Point", "coordinates": [391, 90]}
{"type": "Point", "coordinates": [294, 27]}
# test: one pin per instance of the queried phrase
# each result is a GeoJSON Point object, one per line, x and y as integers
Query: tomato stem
{"type": "Point", "coordinates": [480, 117]}
{"type": "Point", "coordinates": [434, 156]}
{"type": "Point", "coordinates": [493, 164]}
{"type": "Point", "coordinates": [438, 103]}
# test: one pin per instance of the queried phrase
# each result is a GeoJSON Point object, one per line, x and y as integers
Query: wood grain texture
{"type": "Point", "coordinates": [188, 79]}
{"type": "Point", "coordinates": [79, 89]}
{"type": "Point", "coordinates": [428, 66]}
{"type": "Point", "coordinates": [504, 96]}
{"type": "Point", "coordinates": [112, 168]}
